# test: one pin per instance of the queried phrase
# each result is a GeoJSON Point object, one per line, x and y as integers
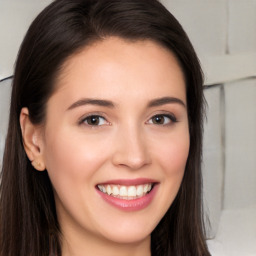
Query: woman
{"type": "Point", "coordinates": [103, 150]}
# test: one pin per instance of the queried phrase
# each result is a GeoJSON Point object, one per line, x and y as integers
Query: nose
{"type": "Point", "coordinates": [131, 149]}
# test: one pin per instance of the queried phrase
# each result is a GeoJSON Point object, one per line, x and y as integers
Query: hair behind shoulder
{"type": "Point", "coordinates": [28, 221]}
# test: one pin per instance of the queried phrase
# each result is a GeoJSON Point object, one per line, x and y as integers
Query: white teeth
{"type": "Point", "coordinates": [145, 188]}
{"type": "Point", "coordinates": [132, 191]}
{"type": "Point", "coordinates": [123, 191]}
{"type": "Point", "coordinates": [126, 192]}
{"type": "Point", "coordinates": [115, 190]}
{"type": "Point", "coordinates": [139, 191]}
{"type": "Point", "coordinates": [104, 189]}
{"type": "Point", "coordinates": [109, 190]}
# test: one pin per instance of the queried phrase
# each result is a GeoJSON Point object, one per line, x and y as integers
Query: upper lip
{"type": "Point", "coordinates": [129, 182]}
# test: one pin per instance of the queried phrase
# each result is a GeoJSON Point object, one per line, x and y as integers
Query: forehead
{"type": "Point", "coordinates": [108, 67]}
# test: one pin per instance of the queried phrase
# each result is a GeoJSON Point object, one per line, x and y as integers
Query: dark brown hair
{"type": "Point", "coordinates": [29, 225]}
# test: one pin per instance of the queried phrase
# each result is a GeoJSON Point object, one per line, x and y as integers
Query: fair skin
{"type": "Point", "coordinates": [133, 135]}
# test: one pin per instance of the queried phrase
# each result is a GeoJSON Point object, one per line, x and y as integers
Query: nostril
{"type": "Point", "coordinates": [131, 149]}
{"type": "Point", "coordinates": [131, 159]}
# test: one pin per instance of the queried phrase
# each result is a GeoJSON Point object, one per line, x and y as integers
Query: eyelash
{"type": "Point", "coordinates": [171, 117]}
{"type": "Point", "coordinates": [85, 119]}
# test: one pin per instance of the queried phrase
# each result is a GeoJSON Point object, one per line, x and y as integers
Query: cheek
{"type": "Point", "coordinates": [173, 160]}
{"type": "Point", "coordinates": [176, 157]}
{"type": "Point", "coordinates": [71, 159]}
{"type": "Point", "coordinates": [173, 155]}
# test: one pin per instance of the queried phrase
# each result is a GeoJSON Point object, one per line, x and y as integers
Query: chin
{"type": "Point", "coordinates": [129, 237]}
{"type": "Point", "coordinates": [128, 233]}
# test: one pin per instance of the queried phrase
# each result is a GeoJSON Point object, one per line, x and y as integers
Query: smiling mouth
{"type": "Point", "coordinates": [126, 192]}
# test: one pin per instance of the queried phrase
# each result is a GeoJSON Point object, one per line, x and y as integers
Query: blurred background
{"type": "Point", "coordinates": [223, 33]}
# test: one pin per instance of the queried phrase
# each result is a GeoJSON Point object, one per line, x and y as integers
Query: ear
{"type": "Point", "coordinates": [32, 140]}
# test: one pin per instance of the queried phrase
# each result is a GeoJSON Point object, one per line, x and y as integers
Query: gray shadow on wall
{"type": "Point", "coordinates": [5, 98]}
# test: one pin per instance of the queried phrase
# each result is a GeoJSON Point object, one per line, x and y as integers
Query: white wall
{"type": "Point", "coordinates": [5, 95]}
{"type": "Point", "coordinates": [240, 172]}
{"type": "Point", "coordinates": [15, 19]}
{"type": "Point", "coordinates": [213, 158]}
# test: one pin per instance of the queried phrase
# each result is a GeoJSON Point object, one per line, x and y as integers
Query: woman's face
{"type": "Point", "coordinates": [116, 127]}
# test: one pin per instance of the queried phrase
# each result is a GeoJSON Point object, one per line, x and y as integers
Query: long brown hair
{"type": "Point", "coordinates": [28, 221]}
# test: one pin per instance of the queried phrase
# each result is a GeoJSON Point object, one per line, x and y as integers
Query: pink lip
{"type": "Point", "coordinates": [130, 205]}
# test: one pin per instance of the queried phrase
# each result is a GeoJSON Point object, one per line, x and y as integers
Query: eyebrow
{"type": "Point", "coordinates": [110, 104]}
{"type": "Point", "coordinates": [165, 100]}
{"type": "Point", "coordinates": [97, 102]}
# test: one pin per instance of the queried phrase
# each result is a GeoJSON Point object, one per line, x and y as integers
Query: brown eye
{"type": "Point", "coordinates": [163, 119]}
{"type": "Point", "coordinates": [158, 119]}
{"type": "Point", "coordinates": [94, 120]}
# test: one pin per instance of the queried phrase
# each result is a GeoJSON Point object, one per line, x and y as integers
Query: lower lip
{"type": "Point", "coordinates": [130, 205]}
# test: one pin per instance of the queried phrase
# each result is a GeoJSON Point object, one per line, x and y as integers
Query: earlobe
{"type": "Point", "coordinates": [31, 135]}
{"type": "Point", "coordinates": [38, 165]}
